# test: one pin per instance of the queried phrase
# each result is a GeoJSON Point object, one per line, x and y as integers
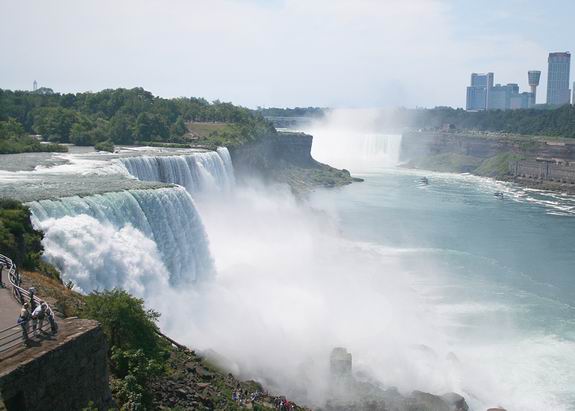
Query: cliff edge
{"type": "Point", "coordinates": [286, 157]}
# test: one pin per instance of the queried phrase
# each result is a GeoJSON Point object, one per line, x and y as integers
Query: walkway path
{"type": "Point", "coordinates": [9, 308]}
{"type": "Point", "coordinates": [11, 337]}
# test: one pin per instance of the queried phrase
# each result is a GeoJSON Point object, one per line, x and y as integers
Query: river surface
{"type": "Point", "coordinates": [498, 275]}
{"type": "Point", "coordinates": [439, 287]}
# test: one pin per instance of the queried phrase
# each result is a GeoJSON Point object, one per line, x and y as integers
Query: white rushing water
{"type": "Point", "coordinates": [123, 239]}
{"type": "Point", "coordinates": [350, 139]}
{"type": "Point", "coordinates": [198, 172]}
{"type": "Point", "coordinates": [135, 239]}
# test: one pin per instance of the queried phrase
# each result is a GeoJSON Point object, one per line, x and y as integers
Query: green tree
{"type": "Point", "coordinates": [55, 123]}
{"type": "Point", "coordinates": [11, 129]}
{"type": "Point", "coordinates": [121, 129]}
{"type": "Point", "coordinates": [137, 352]}
{"type": "Point", "coordinates": [125, 321]}
{"type": "Point", "coordinates": [179, 127]}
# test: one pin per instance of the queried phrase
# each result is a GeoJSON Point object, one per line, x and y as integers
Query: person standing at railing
{"type": "Point", "coordinates": [32, 292]}
{"type": "Point", "coordinates": [52, 321]}
{"type": "Point", "coordinates": [24, 321]}
{"type": "Point", "coordinates": [38, 316]}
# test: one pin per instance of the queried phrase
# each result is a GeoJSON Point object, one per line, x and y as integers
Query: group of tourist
{"type": "Point", "coordinates": [243, 398]}
{"type": "Point", "coordinates": [34, 314]}
{"type": "Point", "coordinates": [282, 404]}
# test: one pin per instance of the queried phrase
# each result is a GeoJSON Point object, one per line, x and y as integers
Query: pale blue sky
{"type": "Point", "coordinates": [282, 52]}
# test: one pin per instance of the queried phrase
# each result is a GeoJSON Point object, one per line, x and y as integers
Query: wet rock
{"type": "Point", "coordinates": [455, 401]}
{"type": "Point", "coordinates": [423, 401]}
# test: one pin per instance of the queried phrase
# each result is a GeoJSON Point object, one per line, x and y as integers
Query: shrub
{"type": "Point", "coordinates": [137, 352]}
{"type": "Point", "coordinates": [125, 321]}
{"type": "Point", "coordinates": [105, 146]}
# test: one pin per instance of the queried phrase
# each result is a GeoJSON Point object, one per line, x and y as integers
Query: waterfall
{"type": "Point", "coordinates": [355, 150]}
{"type": "Point", "coordinates": [197, 172]}
{"type": "Point", "coordinates": [123, 239]}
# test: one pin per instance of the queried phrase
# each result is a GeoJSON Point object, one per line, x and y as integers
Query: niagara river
{"type": "Point", "coordinates": [435, 287]}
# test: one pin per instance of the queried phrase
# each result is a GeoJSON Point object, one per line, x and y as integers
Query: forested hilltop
{"type": "Point", "coordinates": [121, 116]}
{"type": "Point", "coordinates": [547, 121]}
{"type": "Point", "coordinates": [292, 112]}
{"type": "Point", "coordinates": [558, 122]}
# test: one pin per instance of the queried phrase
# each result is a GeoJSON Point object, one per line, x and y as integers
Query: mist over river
{"type": "Point", "coordinates": [440, 287]}
{"type": "Point", "coordinates": [496, 277]}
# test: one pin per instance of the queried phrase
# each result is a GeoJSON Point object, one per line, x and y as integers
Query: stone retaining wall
{"type": "Point", "coordinates": [65, 374]}
{"type": "Point", "coordinates": [563, 172]}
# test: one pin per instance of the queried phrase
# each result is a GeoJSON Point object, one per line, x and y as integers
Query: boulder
{"type": "Point", "coordinates": [455, 401]}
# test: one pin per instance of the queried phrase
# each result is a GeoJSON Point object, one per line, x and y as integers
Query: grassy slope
{"type": "Point", "coordinates": [496, 166]}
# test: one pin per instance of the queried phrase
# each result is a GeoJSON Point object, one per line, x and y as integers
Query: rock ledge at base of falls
{"type": "Point", "coordinates": [359, 392]}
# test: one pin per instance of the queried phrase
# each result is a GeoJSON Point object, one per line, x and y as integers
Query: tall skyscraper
{"type": "Point", "coordinates": [478, 92]}
{"type": "Point", "coordinates": [35, 86]}
{"type": "Point", "coordinates": [534, 76]}
{"type": "Point", "coordinates": [558, 92]}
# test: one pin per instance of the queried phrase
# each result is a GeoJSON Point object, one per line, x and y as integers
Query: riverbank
{"type": "Point", "coordinates": [537, 162]}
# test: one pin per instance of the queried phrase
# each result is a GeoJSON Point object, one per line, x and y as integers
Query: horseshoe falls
{"type": "Point", "coordinates": [198, 172]}
{"type": "Point", "coordinates": [125, 239]}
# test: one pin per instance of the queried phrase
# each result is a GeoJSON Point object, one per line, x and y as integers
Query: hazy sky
{"type": "Point", "coordinates": [365, 53]}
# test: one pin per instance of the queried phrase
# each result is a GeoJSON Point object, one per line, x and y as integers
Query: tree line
{"type": "Point", "coordinates": [558, 122]}
{"type": "Point", "coordinates": [545, 121]}
{"type": "Point", "coordinates": [291, 112]}
{"type": "Point", "coordinates": [120, 116]}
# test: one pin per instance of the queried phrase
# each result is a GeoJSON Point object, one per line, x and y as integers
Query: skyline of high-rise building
{"type": "Point", "coordinates": [558, 92]}
{"type": "Point", "coordinates": [482, 94]}
{"type": "Point", "coordinates": [534, 77]}
{"type": "Point", "coordinates": [478, 91]}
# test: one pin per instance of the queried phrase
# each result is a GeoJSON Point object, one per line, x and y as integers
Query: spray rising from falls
{"type": "Point", "coordinates": [125, 239]}
{"type": "Point", "coordinates": [197, 172]}
{"type": "Point", "coordinates": [350, 139]}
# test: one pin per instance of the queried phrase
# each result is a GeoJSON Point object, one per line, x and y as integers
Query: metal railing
{"type": "Point", "coordinates": [13, 336]}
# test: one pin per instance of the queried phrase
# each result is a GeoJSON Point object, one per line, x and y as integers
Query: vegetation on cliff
{"type": "Point", "coordinates": [496, 166]}
{"type": "Point", "coordinates": [148, 371]}
{"type": "Point", "coordinates": [137, 352]}
{"type": "Point", "coordinates": [19, 240]}
{"type": "Point", "coordinates": [124, 117]}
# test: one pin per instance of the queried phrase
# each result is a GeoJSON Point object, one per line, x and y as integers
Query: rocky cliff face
{"type": "Point", "coordinates": [274, 152]}
{"type": "Point", "coordinates": [534, 161]}
{"type": "Point", "coordinates": [481, 145]}
{"type": "Point", "coordinates": [286, 157]}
